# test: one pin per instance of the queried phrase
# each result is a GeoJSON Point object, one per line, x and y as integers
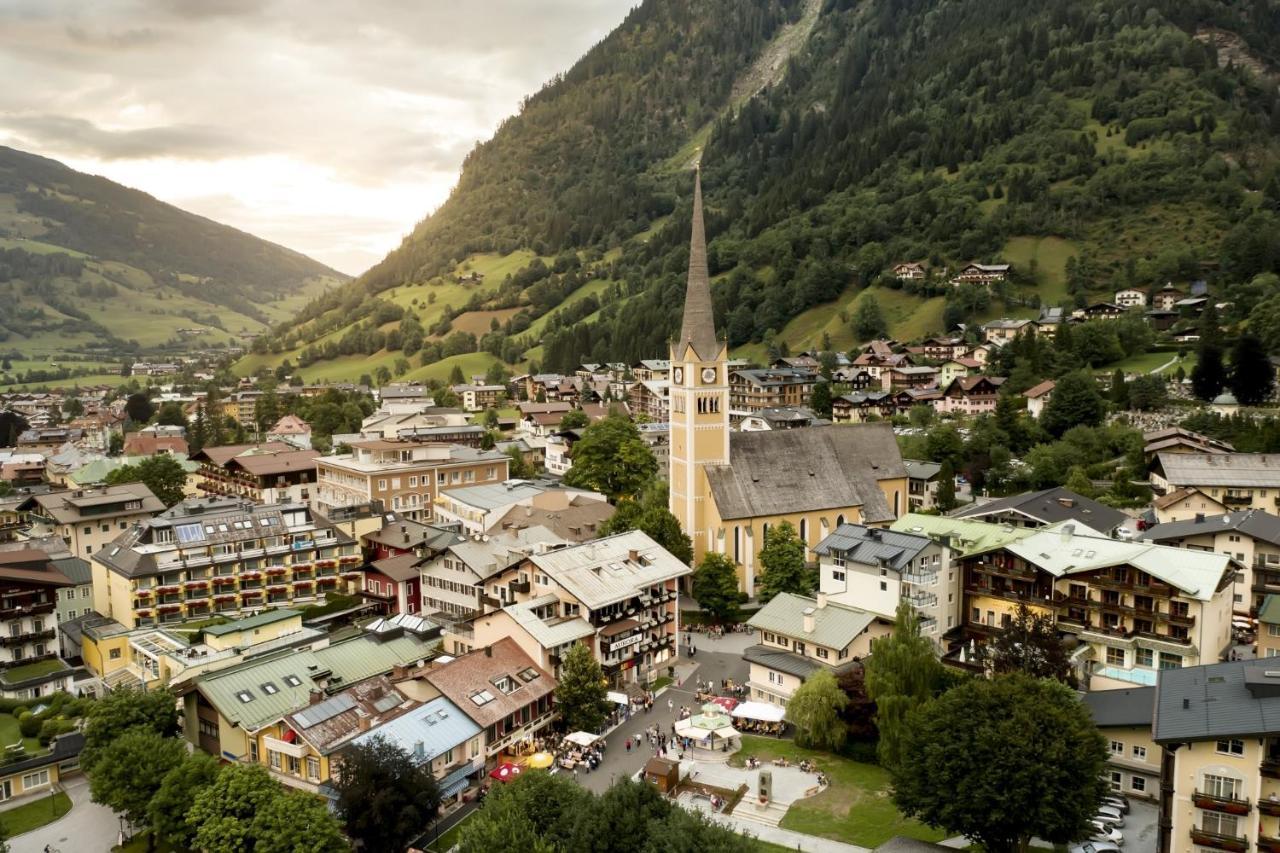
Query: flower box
{"type": "Point", "coordinates": [224, 598]}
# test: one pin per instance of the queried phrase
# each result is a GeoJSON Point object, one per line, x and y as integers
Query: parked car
{"type": "Point", "coordinates": [1105, 831]}
{"type": "Point", "coordinates": [1118, 800]}
{"type": "Point", "coordinates": [1094, 847]}
{"type": "Point", "coordinates": [1111, 815]}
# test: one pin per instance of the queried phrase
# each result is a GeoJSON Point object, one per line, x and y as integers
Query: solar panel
{"type": "Point", "coordinates": [189, 532]}
{"type": "Point", "coordinates": [386, 703]}
{"type": "Point", "coordinates": [325, 710]}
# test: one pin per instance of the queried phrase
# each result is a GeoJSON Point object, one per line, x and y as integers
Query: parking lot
{"type": "Point", "coordinates": [1140, 827]}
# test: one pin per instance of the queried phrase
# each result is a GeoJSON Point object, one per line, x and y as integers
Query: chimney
{"type": "Point", "coordinates": [874, 533]}
{"type": "Point", "coordinates": [633, 556]}
{"type": "Point", "coordinates": [488, 651]}
{"type": "Point", "coordinates": [317, 696]}
{"type": "Point", "coordinates": [364, 723]}
{"type": "Point", "coordinates": [1199, 518]}
{"type": "Point", "coordinates": [406, 538]}
{"type": "Point", "coordinates": [808, 620]}
{"type": "Point", "coordinates": [399, 671]}
{"type": "Point", "coordinates": [822, 600]}
{"type": "Point", "coordinates": [1066, 533]}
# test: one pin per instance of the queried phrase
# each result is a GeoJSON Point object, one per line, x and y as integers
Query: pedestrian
{"type": "Point", "coordinates": [671, 706]}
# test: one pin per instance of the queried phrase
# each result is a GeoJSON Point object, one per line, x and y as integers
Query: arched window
{"type": "Point", "coordinates": [839, 520]}
{"type": "Point", "coordinates": [804, 532]}
{"type": "Point", "coordinates": [737, 538]}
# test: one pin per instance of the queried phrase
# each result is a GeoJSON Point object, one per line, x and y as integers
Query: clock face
{"type": "Point", "coordinates": [678, 375]}
{"type": "Point", "coordinates": [708, 375]}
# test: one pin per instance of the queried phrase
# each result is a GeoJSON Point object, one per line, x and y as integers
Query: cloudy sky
{"type": "Point", "coordinates": [330, 127]}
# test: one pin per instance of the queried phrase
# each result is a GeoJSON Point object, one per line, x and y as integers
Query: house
{"type": "Point", "coordinates": [1179, 440]}
{"type": "Point", "coordinates": [875, 570]}
{"type": "Point", "coordinates": [477, 398]}
{"type": "Point", "coordinates": [453, 578]}
{"type": "Point", "coordinates": [559, 451]}
{"type": "Point", "coordinates": [221, 555]}
{"type": "Point", "coordinates": [274, 472]}
{"type": "Point", "coordinates": [1124, 718]}
{"type": "Point", "coordinates": [785, 417]}
{"type": "Point", "coordinates": [942, 349]}
{"type": "Point", "coordinates": [1252, 537]}
{"type": "Point", "coordinates": [142, 444]}
{"type": "Point", "coordinates": [75, 600]}
{"type": "Point", "coordinates": [1238, 480]}
{"type": "Point", "coordinates": [1220, 750]}
{"type": "Point", "coordinates": [1166, 298]}
{"type": "Point", "coordinates": [1185, 503]}
{"type": "Point", "coordinates": [1049, 320]}
{"type": "Point", "coordinates": [623, 587]}
{"type": "Point", "coordinates": [87, 519]}
{"type": "Point", "coordinates": [651, 369]}
{"type": "Point", "coordinates": [46, 771]}
{"type": "Point", "coordinates": [898, 378]}
{"type": "Point", "coordinates": [1049, 506]}
{"type": "Point", "coordinates": [799, 636]}
{"type": "Point", "coordinates": [922, 484]}
{"type": "Point", "coordinates": [1002, 331]}
{"type": "Point", "coordinates": [476, 510]}
{"type": "Point", "coordinates": [1038, 396]}
{"type": "Point", "coordinates": [981, 274]}
{"type": "Point", "coordinates": [1131, 297]}
{"type": "Point", "coordinates": [30, 584]}
{"type": "Point", "coordinates": [393, 583]}
{"type": "Point", "coordinates": [398, 535]}
{"type": "Point", "coordinates": [439, 735]}
{"type": "Point", "coordinates": [971, 395]}
{"type": "Point", "coordinates": [651, 398]}
{"type": "Point", "coordinates": [397, 420]}
{"type": "Point", "coordinates": [910, 271]}
{"type": "Point", "coordinates": [957, 368]}
{"type": "Point", "coordinates": [579, 520]}
{"type": "Point", "coordinates": [752, 391]}
{"type": "Point", "coordinates": [292, 430]}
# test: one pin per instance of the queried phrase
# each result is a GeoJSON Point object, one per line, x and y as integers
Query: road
{"type": "Point", "coordinates": [87, 828]}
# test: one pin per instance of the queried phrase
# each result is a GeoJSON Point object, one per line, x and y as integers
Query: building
{"type": "Point", "coordinates": [1269, 627]}
{"type": "Point", "coordinates": [957, 368]}
{"type": "Point", "coordinates": [275, 472]}
{"type": "Point", "coordinates": [922, 484]}
{"type": "Point", "coordinates": [1131, 297]}
{"type": "Point", "coordinates": [619, 595]}
{"type": "Point", "coordinates": [291, 430]}
{"type": "Point", "coordinates": [1251, 537]}
{"type": "Point", "coordinates": [439, 735]}
{"type": "Point", "coordinates": [1184, 504]}
{"type": "Point", "coordinates": [1103, 311]}
{"type": "Point", "coordinates": [1038, 396]}
{"type": "Point", "coordinates": [910, 271]}
{"type": "Point", "coordinates": [1124, 718]}
{"type": "Point", "coordinates": [1166, 298]}
{"type": "Point", "coordinates": [476, 510]}
{"type": "Point", "coordinates": [30, 584]}
{"type": "Point", "coordinates": [477, 398]}
{"type": "Point", "coordinates": [788, 417]}
{"type": "Point", "coordinates": [73, 601]}
{"type": "Point", "coordinates": [1000, 332]}
{"type": "Point", "coordinates": [799, 636]}
{"type": "Point", "coordinates": [981, 274]}
{"type": "Point", "coordinates": [43, 772]}
{"type": "Point", "coordinates": [150, 444]}
{"type": "Point", "coordinates": [393, 583]}
{"type": "Point", "coordinates": [405, 476]}
{"type": "Point", "coordinates": [1050, 506]}
{"type": "Point", "coordinates": [1238, 480]}
{"type": "Point", "coordinates": [650, 398]}
{"type": "Point", "coordinates": [971, 395]}
{"type": "Point", "coordinates": [752, 391]}
{"type": "Point", "coordinates": [1179, 440]}
{"type": "Point", "coordinates": [454, 577]}
{"type": "Point", "coordinates": [221, 555]}
{"type": "Point", "coordinates": [874, 570]}
{"type": "Point", "coordinates": [87, 519]}
{"type": "Point", "coordinates": [1216, 726]}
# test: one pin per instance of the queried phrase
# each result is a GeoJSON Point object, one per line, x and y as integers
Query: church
{"type": "Point", "coordinates": [727, 487]}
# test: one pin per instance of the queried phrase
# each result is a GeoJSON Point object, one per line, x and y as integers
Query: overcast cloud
{"type": "Point", "coordinates": [330, 127]}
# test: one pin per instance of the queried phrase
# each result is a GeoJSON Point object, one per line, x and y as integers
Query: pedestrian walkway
{"type": "Point", "coordinates": [87, 828]}
{"type": "Point", "coordinates": [776, 834]}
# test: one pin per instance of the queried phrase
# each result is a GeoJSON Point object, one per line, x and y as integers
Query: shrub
{"type": "Point", "coordinates": [28, 724]}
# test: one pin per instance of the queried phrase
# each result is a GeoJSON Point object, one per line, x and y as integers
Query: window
{"type": "Point", "coordinates": [1117, 747]}
{"type": "Point", "coordinates": [1273, 630]}
{"type": "Point", "coordinates": [822, 653]}
{"type": "Point", "coordinates": [1115, 657]}
{"type": "Point", "coordinates": [839, 577]}
{"type": "Point", "coordinates": [1222, 824]}
{"type": "Point", "coordinates": [245, 697]}
{"type": "Point", "coordinates": [1116, 779]}
{"type": "Point", "coordinates": [114, 654]}
{"type": "Point", "coordinates": [292, 680]}
{"type": "Point", "coordinates": [1230, 747]}
{"type": "Point", "coordinates": [1140, 753]}
{"type": "Point", "coordinates": [273, 758]}
{"type": "Point", "coordinates": [88, 529]}
{"type": "Point", "coordinates": [1145, 657]}
{"type": "Point", "coordinates": [1168, 661]}
{"type": "Point", "coordinates": [208, 728]}
{"type": "Point", "coordinates": [35, 780]}
{"type": "Point", "coordinates": [313, 768]}
{"type": "Point", "coordinates": [294, 765]}
{"type": "Point", "coordinates": [253, 751]}
{"type": "Point", "coordinates": [413, 482]}
{"type": "Point", "coordinates": [1138, 783]}
{"type": "Point", "coordinates": [382, 485]}
{"type": "Point", "coordinates": [269, 688]}
{"type": "Point", "coordinates": [884, 586]}
{"type": "Point", "coordinates": [84, 592]}
{"type": "Point", "coordinates": [844, 653]}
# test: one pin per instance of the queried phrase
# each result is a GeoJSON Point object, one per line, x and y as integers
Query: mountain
{"type": "Point", "coordinates": [1092, 143]}
{"type": "Point", "coordinates": [88, 265]}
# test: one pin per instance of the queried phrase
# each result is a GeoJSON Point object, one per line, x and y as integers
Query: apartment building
{"type": "Point", "coordinates": [1133, 759]}
{"type": "Point", "coordinates": [1239, 481]}
{"type": "Point", "coordinates": [619, 595]}
{"type": "Point", "coordinates": [453, 578]}
{"type": "Point", "coordinates": [1050, 506]}
{"type": "Point", "coordinates": [477, 510]}
{"type": "Point", "coordinates": [405, 476]}
{"type": "Point", "coordinates": [221, 555]}
{"type": "Point", "coordinates": [753, 391]}
{"type": "Point", "coordinates": [799, 636]}
{"type": "Point", "coordinates": [1251, 537]}
{"type": "Point", "coordinates": [88, 519]}
{"type": "Point", "coordinates": [1217, 726]}
{"type": "Point", "coordinates": [274, 472]}
{"type": "Point", "coordinates": [29, 588]}
{"type": "Point", "coordinates": [440, 736]}
{"type": "Point", "coordinates": [922, 484]}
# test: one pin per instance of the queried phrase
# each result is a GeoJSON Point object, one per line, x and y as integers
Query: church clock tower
{"type": "Point", "coordinates": [699, 394]}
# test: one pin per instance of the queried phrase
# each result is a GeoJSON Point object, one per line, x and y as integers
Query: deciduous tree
{"type": "Point", "coordinates": [1075, 402]}
{"type": "Point", "coordinates": [128, 772]}
{"type": "Point", "coordinates": [297, 822]}
{"type": "Point", "coordinates": [902, 673]}
{"type": "Point", "coordinates": [121, 710]}
{"type": "Point", "coordinates": [1209, 376]}
{"type": "Point", "coordinates": [580, 695]}
{"type": "Point", "coordinates": [162, 474]}
{"type": "Point", "coordinates": [385, 797]}
{"type": "Point", "coordinates": [139, 407]}
{"type": "Point", "coordinates": [574, 419]}
{"type": "Point", "coordinates": [814, 709]}
{"type": "Point", "coordinates": [223, 812]}
{"type": "Point", "coordinates": [715, 586]}
{"type": "Point", "coordinates": [1030, 644]}
{"type": "Point", "coordinates": [782, 559]}
{"type": "Point", "coordinates": [612, 459]}
{"type": "Point", "coordinates": [167, 812]}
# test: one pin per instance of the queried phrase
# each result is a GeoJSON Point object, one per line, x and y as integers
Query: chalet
{"type": "Point", "coordinates": [1050, 506]}
{"type": "Point", "coordinates": [1179, 440]}
{"type": "Point", "coordinates": [803, 361]}
{"type": "Point", "coordinates": [910, 271]}
{"type": "Point", "coordinates": [1131, 297]}
{"type": "Point", "coordinates": [293, 430]}
{"type": "Point", "coordinates": [477, 398]}
{"type": "Point", "coordinates": [1103, 311]}
{"type": "Point", "coordinates": [754, 390]}
{"type": "Point", "coordinates": [971, 395]}
{"type": "Point", "coordinates": [875, 363]}
{"type": "Point", "coordinates": [857, 378]}
{"type": "Point", "coordinates": [897, 378]}
{"type": "Point", "coordinates": [922, 484]}
{"type": "Point", "coordinates": [1166, 298]}
{"type": "Point", "coordinates": [1049, 320]}
{"type": "Point", "coordinates": [1002, 331]}
{"type": "Point", "coordinates": [957, 368]}
{"type": "Point", "coordinates": [981, 274]}
{"type": "Point", "coordinates": [1252, 537]}
{"type": "Point", "coordinates": [393, 584]}
{"type": "Point", "coordinates": [861, 406]}
{"type": "Point", "coordinates": [784, 417]}
{"type": "Point", "coordinates": [651, 368]}
{"type": "Point", "coordinates": [651, 398]}
{"type": "Point", "coordinates": [941, 349]}
{"type": "Point", "coordinates": [1038, 396]}
{"type": "Point", "coordinates": [274, 472]}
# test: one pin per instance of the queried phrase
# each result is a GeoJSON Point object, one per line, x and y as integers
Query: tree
{"type": "Point", "coordinates": [650, 514]}
{"type": "Point", "coordinates": [297, 822]}
{"type": "Point", "coordinates": [162, 474]}
{"type": "Point", "coordinates": [574, 419]}
{"type": "Point", "coordinates": [167, 811]}
{"type": "Point", "coordinates": [868, 320]}
{"type": "Point", "coordinates": [1252, 376]}
{"type": "Point", "coordinates": [129, 770]}
{"type": "Point", "coordinates": [820, 399]}
{"type": "Point", "coordinates": [12, 425]}
{"type": "Point", "coordinates": [1075, 402]}
{"type": "Point", "coordinates": [580, 696]}
{"type": "Point", "coordinates": [901, 674]}
{"type": "Point", "coordinates": [814, 709]}
{"type": "Point", "coordinates": [223, 812]}
{"type": "Point", "coordinates": [1078, 481]}
{"type": "Point", "coordinates": [946, 499]}
{"type": "Point", "coordinates": [1119, 391]}
{"type": "Point", "coordinates": [519, 467]}
{"type": "Point", "coordinates": [782, 559]}
{"type": "Point", "coordinates": [1147, 392]}
{"type": "Point", "coordinates": [121, 710]}
{"type": "Point", "coordinates": [385, 798]}
{"type": "Point", "coordinates": [974, 749]}
{"type": "Point", "coordinates": [1030, 644]}
{"type": "Point", "coordinates": [612, 459]}
{"type": "Point", "coordinates": [1209, 376]}
{"type": "Point", "coordinates": [171, 414]}
{"type": "Point", "coordinates": [139, 407]}
{"type": "Point", "coordinates": [715, 586]}
{"type": "Point", "coordinates": [72, 407]}
{"type": "Point", "coordinates": [504, 824]}
{"type": "Point", "coordinates": [455, 375]}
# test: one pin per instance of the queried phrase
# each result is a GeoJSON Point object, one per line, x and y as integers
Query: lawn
{"type": "Point", "coordinates": [17, 674]}
{"type": "Point", "coordinates": [448, 839]}
{"type": "Point", "coordinates": [1144, 363]}
{"type": "Point", "coordinates": [35, 814]}
{"type": "Point", "coordinates": [1050, 255]}
{"type": "Point", "coordinates": [855, 808]}
{"type": "Point", "coordinates": [9, 733]}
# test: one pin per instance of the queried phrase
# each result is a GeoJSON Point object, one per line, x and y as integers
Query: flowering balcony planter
{"type": "Point", "coordinates": [1268, 845]}
{"type": "Point", "coordinates": [143, 593]}
{"type": "Point", "coordinates": [352, 575]}
{"type": "Point", "coordinates": [1226, 805]}
{"type": "Point", "coordinates": [1233, 843]}
{"type": "Point", "coordinates": [327, 582]}
{"type": "Point", "coordinates": [250, 576]}
{"type": "Point", "coordinates": [143, 612]}
{"type": "Point", "coordinates": [196, 584]}
{"type": "Point", "coordinates": [301, 584]}
{"type": "Point", "coordinates": [302, 567]}
{"type": "Point", "coordinates": [162, 590]}
{"type": "Point", "coordinates": [224, 598]}
{"type": "Point", "coordinates": [275, 571]}
{"type": "Point", "coordinates": [347, 560]}
{"type": "Point", "coordinates": [169, 608]}
{"type": "Point", "coordinates": [327, 564]}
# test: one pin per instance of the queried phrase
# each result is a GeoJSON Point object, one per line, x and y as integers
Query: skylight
{"type": "Point", "coordinates": [269, 688]}
{"type": "Point", "coordinates": [245, 696]}
{"type": "Point", "coordinates": [292, 680]}
{"type": "Point", "coordinates": [189, 532]}
{"type": "Point", "coordinates": [484, 697]}
{"type": "Point", "coordinates": [528, 674]}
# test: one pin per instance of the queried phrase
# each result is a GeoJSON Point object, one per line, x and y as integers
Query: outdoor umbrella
{"type": "Point", "coordinates": [541, 760]}
{"type": "Point", "coordinates": [506, 771]}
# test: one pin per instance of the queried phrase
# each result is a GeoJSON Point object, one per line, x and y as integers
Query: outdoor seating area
{"type": "Point", "coordinates": [759, 718]}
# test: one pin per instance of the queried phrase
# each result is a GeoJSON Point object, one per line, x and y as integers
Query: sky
{"type": "Point", "coordinates": [328, 127]}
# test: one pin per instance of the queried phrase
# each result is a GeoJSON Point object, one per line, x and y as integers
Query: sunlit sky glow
{"type": "Point", "coordinates": [329, 127]}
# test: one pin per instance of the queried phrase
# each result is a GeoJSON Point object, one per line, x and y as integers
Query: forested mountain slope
{"type": "Point", "coordinates": [88, 262]}
{"type": "Point", "coordinates": [1094, 143]}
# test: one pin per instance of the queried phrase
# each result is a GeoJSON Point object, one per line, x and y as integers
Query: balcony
{"type": "Point", "coordinates": [520, 586]}
{"type": "Point", "coordinates": [297, 750]}
{"type": "Point", "coordinates": [28, 637]}
{"type": "Point", "coordinates": [1182, 619]}
{"type": "Point", "coordinates": [1227, 805]}
{"type": "Point", "coordinates": [1270, 767]}
{"type": "Point", "coordinates": [1270, 808]}
{"type": "Point", "coordinates": [1231, 499]}
{"type": "Point", "coordinates": [1218, 841]}
{"type": "Point", "coordinates": [920, 578]}
{"type": "Point", "coordinates": [1267, 844]}
{"type": "Point", "coordinates": [921, 599]}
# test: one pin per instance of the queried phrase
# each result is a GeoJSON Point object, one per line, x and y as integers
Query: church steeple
{"type": "Point", "coordinates": [698, 327]}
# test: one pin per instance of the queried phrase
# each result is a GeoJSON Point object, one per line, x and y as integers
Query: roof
{"type": "Point", "coordinates": [1235, 699]}
{"type": "Point", "coordinates": [872, 546]}
{"type": "Point", "coordinates": [1036, 391]}
{"type": "Point", "coordinates": [579, 521]}
{"type": "Point", "coordinates": [407, 534]}
{"type": "Point", "coordinates": [834, 626]}
{"type": "Point", "coordinates": [223, 454]}
{"type": "Point", "coordinates": [74, 569]}
{"type": "Point", "coordinates": [400, 568]}
{"type": "Point", "coordinates": [290, 425]}
{"type": "Point", "coordinates": [548, 633]}
{"type": "Point", "coordinates": [438, 726]}
{"type": "Point", "coordinates": [1224, 469]}
{"type": "Point", "coordinates": [1269, 612]}
{"type": "Point", "coordinates": [697, 326]}
{"type": "Point", "coordinates": [784, 472]}
{"type": "Point", "coordinates": [1131, 706]}
{"type": "Point", "coordinates": [266, 617]}
{"type": "Point", "coordinates": [787, 662]}
{"type": "Point", "coordinates": [330, 724]}
{"type": "Point", "coordinates": [1256, 523]}
{"type": "Point", "coordinates": [66, 747]}
{"type": "Point", "coordinates": [612, 569]}
{"type": "Point", "coordinates": [966, 537]}
{"type": "Point", "coordinates": [1050, 506]}
{"type": "Point", "coordinates": [492, 496]}
{"type": "Point", "coordinates": [65, 507]}
{"type": "Point", "coordinates": [469, 681]}
{"type": "Point", "coordinates": [917, 470]}
{"type": "Point", "coordinates": [32, 566]}
{"type": "Point", "coordinates": [281, 462]}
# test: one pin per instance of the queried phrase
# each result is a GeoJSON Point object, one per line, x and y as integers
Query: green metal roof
{"type": "Point", "coordinates": [967, 537]}
{"type": "Point", "coordinates": [1269, 612]}
{"type": "Point", "coordinates": [257, 620]}
{"type": "Point", "coordinates": [834, 626]}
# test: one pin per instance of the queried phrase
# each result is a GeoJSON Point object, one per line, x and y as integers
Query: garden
{"type": "Point", "coordinates": [27, 726]}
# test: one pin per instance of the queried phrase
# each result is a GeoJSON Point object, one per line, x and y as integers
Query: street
{"type": "Point", "coordinates": [87, 828]}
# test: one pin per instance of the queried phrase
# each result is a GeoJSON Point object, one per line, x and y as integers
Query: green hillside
{"type": "Point", "coordinates": [1094, 144]}
{"type": "Point", "coordinates": [91, 267]}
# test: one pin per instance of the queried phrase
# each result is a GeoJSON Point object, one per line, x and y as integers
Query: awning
{"type": "Point", "coordinates": [456, 781]}
{"type": "Point", "coordinates": [766, 711]}
{"type": "Point", "coordinates": [685, 728]}
{"type": "Point", "coordinates": [582, 738]}
{"type": "Point", "coordinates": [617, 698]}
{"type": "Point", "coordinates": [619, 627]}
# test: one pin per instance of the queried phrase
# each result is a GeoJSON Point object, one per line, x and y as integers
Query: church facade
{"type": "Point", "coordinates": [728, 488]}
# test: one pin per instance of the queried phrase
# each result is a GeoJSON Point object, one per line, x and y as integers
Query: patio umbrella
{"type": "Point", "coordinates": [506, 771]}
{"type": "Point", "coordinates": [726, 702]}
{"type": "Point", "coordinates": [540, 760]}
{"type": "Point", "coordinates": [582, 738]}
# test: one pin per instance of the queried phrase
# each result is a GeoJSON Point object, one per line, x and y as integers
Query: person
{"type": "Point", "coordinates": [671, 706]}
{"type": "Point", "coordinates": [628, 746]}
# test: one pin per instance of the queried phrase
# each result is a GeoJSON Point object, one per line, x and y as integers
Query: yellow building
{"type": "Point", "coordinates": [1133, 758]}
{"type": "Point", "coordinates": [40, 774]}
{"type": "Point", "coordinates": [728, 488]}
{"type": "Point", "coordinates": [1239, 481]}
{"type": "Point", "coordinates": [1269, 627]}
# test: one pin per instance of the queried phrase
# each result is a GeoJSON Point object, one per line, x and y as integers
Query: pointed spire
{"type": "Point", "coordinates": [698, 327]}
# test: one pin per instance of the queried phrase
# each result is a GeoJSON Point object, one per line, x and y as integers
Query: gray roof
{"type": "Point", "coordinates": [602, 571]}
{"type": "Point", "coordinates": [1250, 470]}
{"type": "Point", "coordinates": [437, 726]}
{"type": "Point", "coordinates": [804, 470]}
{"type": "Point", "coordinates": [780, 660]}
{"type": "Point", "coordinates": [1134, 706]}
{"type": "Point", "coordinates": [834, 626]}
{"type": "Point", "coordinates": [871, 546]}
{"type": "Point", "coordinates": [549, 633]}
{"type": "Point", "coordinates": [1049, 507]}
{"type": "Point", "coordinates": [1236, 699]}
{"type": "Point", "coordinates": [918, 470]}
{"type": "Point", "coordinates": [76, 570]}
{"type": "Point", "coordinates": [1257, 523]}
{"type": "Point", "coordinates": [698, 327]}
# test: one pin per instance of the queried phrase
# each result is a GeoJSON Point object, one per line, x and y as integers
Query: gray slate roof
{"type": "Point", "coordinates": [77, 570]}
{"type": "Point", "coordinates": [871, 546]}
{"type": "Point", "coordinates": [1047, 508]}
{"type": "Point", "coordinates": [1215, 701]}
{"type": "Point", "coordinates": [1257, 523]}
{"type": "Point", "coordinates": [1248, 470]}
{"type": "Point", "coordinates": [1134, 706]}
{"type": "Point", "coordinates": [805, 470]}
{"type": "Point", "coordinates": [780, 660]}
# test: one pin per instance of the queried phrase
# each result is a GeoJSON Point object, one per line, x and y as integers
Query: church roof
{"type": "Point", "coordinates": [698, 326]}
{"type": "Point", "coordinates": [806, 470]}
